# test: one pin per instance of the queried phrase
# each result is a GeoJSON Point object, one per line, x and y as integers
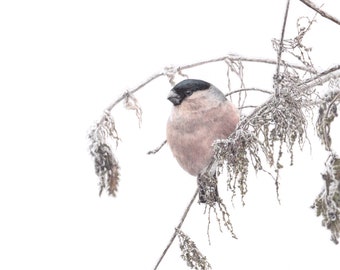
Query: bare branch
{"type": "Point", "coordinates": [152, 152]}
{"type": "Point", "coordinates": [235, 57]}
{"type": "Point", "coordinates": [279, 53]}
{"type": "Point", "coordinates": [177, 228]}
{"type": "Point", "coordinates": [332, 103]}
{"type": "Point", "coordinates": [321, 12]}
{"type": "Point", "coordinates": [247, 107]}
{"type": "Point", "coordinates": [248, 89]}
{"type": "Point", "coordinates": [321, 78]}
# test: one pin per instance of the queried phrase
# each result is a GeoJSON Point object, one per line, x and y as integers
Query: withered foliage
{"type": "Point", "coordinates": [327, 204]}
{"type": "Point", "coordinates": [131, 103]}
{"type": "Point", "coordinates": [190, 253]}
{"type": "Point", "coordinates": [262, 136]}
{"type": "Point", "coordinates": [327, 112]}
{"type": "Point", "coordinates": [221, 215]}
{"type": "Point", "coordinates": [209, 195]}
{"type": "Point", "coordinates": [274, 127]}
{"type": "Point", "coordinates": [101, 137]}
{"type": "Point", "coordinates": [106, 165]}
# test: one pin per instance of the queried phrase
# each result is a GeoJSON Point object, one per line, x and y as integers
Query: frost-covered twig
{"type": "Point", "coordinates": [248, 89]}
{"type": "Point", "coordinates": [321, 78]}
{"type": "Point", "coordinates": [320, 11]}
{"type": "Point", "coordinates": [177, 228]}
{"type": "Point", "coordinates": [240, 58]}
{"type": "Point", "coordinates": [279, 53]}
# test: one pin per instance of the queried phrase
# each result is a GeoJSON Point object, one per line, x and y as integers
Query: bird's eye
{"type": "Point", "coordinates": [188, 93]}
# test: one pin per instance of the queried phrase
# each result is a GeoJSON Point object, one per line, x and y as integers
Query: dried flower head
{"type": "Point", "coordinates": [327, 204]}
{"type": "Point", "coordinates": [106, 165]}
{"type": "Point", "coordinates": [190, 253]}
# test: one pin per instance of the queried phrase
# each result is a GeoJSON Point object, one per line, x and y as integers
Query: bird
{"type": "Point", "coordinates": [200, 115]}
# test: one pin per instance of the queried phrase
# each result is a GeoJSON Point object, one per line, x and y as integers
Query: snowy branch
{"type": "Point", "coordinates": [320, 11]}
{"type": "Point", "coordinates": [177, 228]}
{"type": "Point", "coordinates": [279, 53]}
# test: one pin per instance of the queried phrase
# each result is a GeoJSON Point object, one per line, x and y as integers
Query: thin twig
{"type": "Point", "coordinates": [248, 89]}
{"type": "Point", "coordinates": [337, 96]}
{"type": "Point", "coordinates": [177, 228]}
{"type": "Point", "coordinates": [247, 107]}
{"type": "Point", "coordinates": [321, 77]}
{"type": "Point", "coordinates": [156, 149]}
{"type": "Point", "coordinates": [321, 12]}
{"type": "Point", "coordinates": [234, 57]}
{"type": "Point", "coordinates": [279, 53]}
{"type": "Point", "coordinates": [321, 74]}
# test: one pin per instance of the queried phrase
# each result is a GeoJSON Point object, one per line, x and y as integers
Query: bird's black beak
{"type": "Point", "coordinates": [174, 98]}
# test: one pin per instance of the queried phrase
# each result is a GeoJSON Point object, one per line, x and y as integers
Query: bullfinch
{"type": "Point", "coordinates": [201, 114]}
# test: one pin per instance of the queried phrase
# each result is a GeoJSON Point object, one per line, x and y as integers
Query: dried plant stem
{"type": "Point", "coordinates": [151, 152]}
{"type": "Point", "coordinates": [247, 107]}
{"type": "Point", "coordinates": [234, 57]}
{"type": "Point", "coordinates": [177, 228]}
{"type": "Point", "coordinates": [320, 78]}
{"type": "Point", "coordinates": [321, 12]}
{"type": "Point", "coordinates": [248, 89]}
{"type": "Point", "coordinates": [279, 53]}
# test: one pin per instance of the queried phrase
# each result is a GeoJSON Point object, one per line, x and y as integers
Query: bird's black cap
{"type": "Point", "coordinates": [185, 88]}
{"type": "Point", "coordinates": [191, 84]}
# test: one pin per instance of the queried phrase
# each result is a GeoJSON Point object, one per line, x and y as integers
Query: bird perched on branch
{"type": "Point", "coordinates": [201, 114]}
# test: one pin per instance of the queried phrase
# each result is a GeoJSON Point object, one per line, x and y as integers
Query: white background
{"type": "Point", "coordinates": [63, 62]}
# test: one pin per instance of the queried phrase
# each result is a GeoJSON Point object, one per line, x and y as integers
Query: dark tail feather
{"type": "Point", "coordinates": [207, 189]}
